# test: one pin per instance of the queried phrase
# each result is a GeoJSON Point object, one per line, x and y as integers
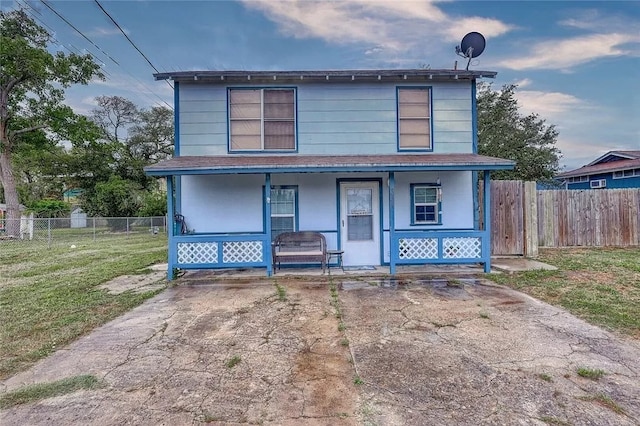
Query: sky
{"type": "Point", "coordinates": [576, 63]}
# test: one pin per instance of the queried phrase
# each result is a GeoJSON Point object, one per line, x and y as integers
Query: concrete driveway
{"type": "Point", "coordinates": [414, 351]}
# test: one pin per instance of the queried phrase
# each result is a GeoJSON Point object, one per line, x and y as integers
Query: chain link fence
{"type": "Point", "coordinates": [47, 232]}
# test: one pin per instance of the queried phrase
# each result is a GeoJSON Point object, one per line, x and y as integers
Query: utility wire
{"type": "Point", "coordinates": [130, 41]}
{"type": "Point", "coordinates": [54, 39]}
{"type": "Point", "coordinates": [78, 31]}
{"type": "Point", "coordinates": [105, 53]}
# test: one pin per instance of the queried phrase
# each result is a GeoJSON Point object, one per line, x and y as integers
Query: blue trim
{"type": "Point", "coordinates": [430, 229]}
{"type": "Point", "coordinates": [263, 151]}
{"type": "Point", "coordinates": [476, 202]}
{"type": "Point", "coordinates": [178, 190]}
{"type": "Point", "coordinates": [431, 139]}
{"type": "Point", "coordinates": [474, 116]}
{"type": "Point", "coordinates": [412, 188]}
{"type": "Point", "coordinates": [392, 223]}
{"type": "Point", "coordinates": [486, 248]}
{"type": "Point", "coordinates": [332, 169]}
{"type": "Point", "coordinates": [176, 119]}
{"type": "Point", "coordinates": [172, 255]}
{"type": "Point", "coordinates": [265, 262]}
{"type": "Point", "coordinates": [380, 205]}
{"type": "Point", "coordinates": [267, 222]}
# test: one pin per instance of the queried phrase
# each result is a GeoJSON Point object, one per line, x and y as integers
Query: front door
{"type": "Point", "coordinates": [360, 223]}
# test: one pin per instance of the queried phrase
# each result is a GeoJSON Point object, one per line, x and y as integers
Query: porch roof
{"type": "Point", "coordinates": [295, 163]}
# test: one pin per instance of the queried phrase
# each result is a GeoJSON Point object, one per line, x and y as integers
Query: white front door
{"type": "Point", "coordinates": [360, 223]}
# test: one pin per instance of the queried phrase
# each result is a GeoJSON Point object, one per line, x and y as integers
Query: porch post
{"type": "Point", "coordinates": [486, 240]}
{"type": "Point", "coordinates": [170, 229]}
{"type": "Point", "coordinates": [392, 224]}
{"type": "Point", "coordinates": [267, 224]}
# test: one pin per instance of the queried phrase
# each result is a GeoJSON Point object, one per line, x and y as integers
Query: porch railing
{"type": "Point", "coordinates": [429, 246]}
{"type": "Point", "coordinates": [219, 251]}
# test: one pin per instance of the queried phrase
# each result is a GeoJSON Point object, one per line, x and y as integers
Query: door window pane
{"type": "Point", "coordinates": [359, 201]}
{"type": "Point", "coordinates": [360, 228]}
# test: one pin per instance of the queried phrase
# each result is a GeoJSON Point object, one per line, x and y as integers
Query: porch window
{"type": "Point", "coordinates": [284, 207]}
{"type": "Point", "coordinates": [262, 120]}
{"type": "Point", "coordinates": [414, 118]}
{"type": "Point", "coordinates": [426, 204]}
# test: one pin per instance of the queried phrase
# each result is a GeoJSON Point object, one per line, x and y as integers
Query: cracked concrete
{"type": "Point", "coordinates": [465, 352]}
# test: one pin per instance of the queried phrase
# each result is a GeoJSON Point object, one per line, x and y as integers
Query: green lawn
{"type": "Point", "coordinates": [50, 296]}
{"type": "Point", "coordinates": [600, 285]}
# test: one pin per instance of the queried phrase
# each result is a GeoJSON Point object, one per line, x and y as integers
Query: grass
{"type": "Point", "coordinates": [545, 377]}
{"type": "Point", "coordinates": [281, 292]}
{"type": "Point", "coordinates": [600, 285]}
{"type": "Point", "coordinates": [590, 373]}
{"type": "Point", "coordinates": [233, 361]}
{"type": "Point", "coordinates": [42, 391]}
{"type": "Point", "coordinates": [606, 401]}
{"type": "Point", "coordinates": [358, 381]}
{"type": "Point", "coordinates": [50, 296]}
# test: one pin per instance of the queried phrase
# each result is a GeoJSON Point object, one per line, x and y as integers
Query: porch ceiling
{"type": "Point", "coordinates": [295, 163]}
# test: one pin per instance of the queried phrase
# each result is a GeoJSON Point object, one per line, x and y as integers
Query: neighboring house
{"type": "Point", "coordinates": [383, 163]}
{"type": "Point", "coordinates": [615, 169]}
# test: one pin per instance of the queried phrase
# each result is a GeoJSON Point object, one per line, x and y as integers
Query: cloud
{"type": "Point", "coordinates": [383, 27]}
{"type": "Point", "coordinates": [105, 32]}
{"type": "Point", "coordinates": [547, 104]}
{"type": "Point", "coordinates": [567, 53]}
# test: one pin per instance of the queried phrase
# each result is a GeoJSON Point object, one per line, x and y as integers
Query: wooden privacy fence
{"type": "Point", "coordinates": [523, 218]}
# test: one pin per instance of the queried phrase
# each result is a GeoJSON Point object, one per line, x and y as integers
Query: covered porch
{"type": "Point", "coordinates": [399, 244]}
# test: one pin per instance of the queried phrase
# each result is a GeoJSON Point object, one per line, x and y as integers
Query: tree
{"type": "Point", "coordinates": [32, 83]}
{"type": "Point", "coordinates": [130, 138]}
{"type": "Point", "coordinates": [504, 132]}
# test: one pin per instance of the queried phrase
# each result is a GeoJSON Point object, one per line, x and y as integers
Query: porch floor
{"type": "Point", "coordinates": [337, 271]}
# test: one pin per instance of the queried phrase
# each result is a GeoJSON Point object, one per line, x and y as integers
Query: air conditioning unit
{"type": "Point", "coordinates": [598, 183]}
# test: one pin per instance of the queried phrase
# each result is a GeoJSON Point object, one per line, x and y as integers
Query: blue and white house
{"type": "Point", "coordinates": [615, 169]}
{"type": "Point", "coordinates": [383, 163]}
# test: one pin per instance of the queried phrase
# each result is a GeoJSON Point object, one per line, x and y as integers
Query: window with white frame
{"type": "Point", "coordinates": [284, 200]}
{"type": "Point", "coordinates": [425, 204]}
{"type": "Point", "coordinates": [621, 174]}
{"type": "Point", "coordinates": [414, 118]}
{"type": "Point", "coordinates": [262, 120]}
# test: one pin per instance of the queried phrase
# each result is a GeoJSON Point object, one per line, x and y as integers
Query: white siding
{"type": "Point", "coordinates": [332, 119]}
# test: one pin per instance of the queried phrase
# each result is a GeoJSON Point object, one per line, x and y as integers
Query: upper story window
{"type": "Point", "coordinates": [262, 120]}
{"type": "Point", "coordinates": [414, 119]}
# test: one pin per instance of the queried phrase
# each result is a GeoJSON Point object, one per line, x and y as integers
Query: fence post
{"type": "Point", "coordinates": [530, 219]}
{"type": "Point", "coordinates": [94, 229]}
{"type": "Point", "coordinates": [49, 232]}
{"type": "Point", "coordinates": [127, 227]}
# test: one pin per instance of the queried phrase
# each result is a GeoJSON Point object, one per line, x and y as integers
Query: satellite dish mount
{"type": "Point", "coordinates": [471, 46]}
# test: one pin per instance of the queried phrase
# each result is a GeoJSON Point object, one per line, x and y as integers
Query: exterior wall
{"type": "Point", "coordinates": [332, 118]}
{"type": "Point", "coordinates": [234, 203]}
{"type": "Point", "coordinates": [628, 182]}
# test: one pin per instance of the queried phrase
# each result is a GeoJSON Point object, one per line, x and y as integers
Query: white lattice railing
{"type": "Point", "coordinates": [220, 250]}
{"type": "Point", "coordinates": [434, 246]}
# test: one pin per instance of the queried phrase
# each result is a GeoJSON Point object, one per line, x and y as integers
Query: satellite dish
{"type": "Point", "coordinates": [472, 46]}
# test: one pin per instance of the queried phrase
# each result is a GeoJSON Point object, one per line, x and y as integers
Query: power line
{"type": "Point", "coordinates": [129, 40]}
{"type": "Point", "coordinates": [101, 50]}
{"type": "Point", "coordinates": [79, 32]}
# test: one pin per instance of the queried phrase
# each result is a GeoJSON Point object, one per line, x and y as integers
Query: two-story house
{"type": "Point", "coordinates": [383, 163]}
{"type": "Point", "coordinates": [615, 169]}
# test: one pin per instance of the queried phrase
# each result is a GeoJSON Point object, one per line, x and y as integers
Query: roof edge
{"type": "Point", "coordinates": [221, 76]}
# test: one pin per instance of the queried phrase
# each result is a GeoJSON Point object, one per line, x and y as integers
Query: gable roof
{"type": "Point", "coordinates": [231, 164]}
{"type": "Point", "coordinates": [250, 77]}
{"type": "Point", "coordinates": [629, 160]}
{"type": "Point", "coordinates": [622, 155]}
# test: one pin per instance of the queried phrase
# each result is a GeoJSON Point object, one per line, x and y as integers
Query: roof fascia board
{"type": "Point", "coordinates": [329, 169]}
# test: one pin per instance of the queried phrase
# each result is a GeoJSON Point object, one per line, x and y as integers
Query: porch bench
{"type": "Point", "coordinates": [300, 246]}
